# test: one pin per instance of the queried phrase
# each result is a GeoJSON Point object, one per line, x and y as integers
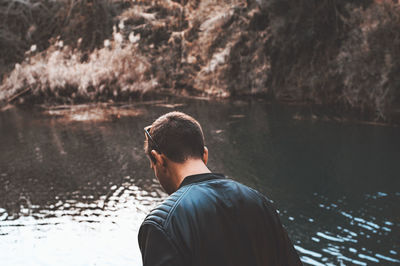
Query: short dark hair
{"type": "Point", "coordinates": [178, 136]}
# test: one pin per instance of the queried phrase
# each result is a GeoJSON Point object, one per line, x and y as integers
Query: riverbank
{"type": "Point", "coordinates": [339, 55]}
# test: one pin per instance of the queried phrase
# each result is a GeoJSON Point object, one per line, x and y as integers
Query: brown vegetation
{"type": "Point", "coordinates": [334, 53]}
{"type": "Point", "coordinates": [330, 53]}
{"type": "Point", "coordinates": [369, 61]}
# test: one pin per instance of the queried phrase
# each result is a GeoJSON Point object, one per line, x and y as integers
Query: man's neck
{"type": "Point", "coordinates": [189, 167]}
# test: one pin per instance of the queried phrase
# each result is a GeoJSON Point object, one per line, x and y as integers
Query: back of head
{"type": "Point", "coordinates": [178, 136]}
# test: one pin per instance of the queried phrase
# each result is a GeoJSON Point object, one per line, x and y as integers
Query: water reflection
{"type": "Point", "coordinates": [357, 230]}
{"type": "Point", "coordinates": [76, 192]}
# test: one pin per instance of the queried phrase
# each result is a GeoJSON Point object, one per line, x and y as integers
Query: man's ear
{"type": "Point", "coordinates": [158, 156]}
{"type": "Point", "coordinates": [205, 155]}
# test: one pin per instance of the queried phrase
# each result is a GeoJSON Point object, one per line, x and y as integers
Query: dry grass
{"type": "Point", "coordinates": [59, 75]}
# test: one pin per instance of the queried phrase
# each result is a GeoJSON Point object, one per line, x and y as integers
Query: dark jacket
{"type": "Point", "coordinates": [210, 221]}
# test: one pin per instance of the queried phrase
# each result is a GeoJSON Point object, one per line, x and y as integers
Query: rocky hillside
{"type": "Point", "coordinates": [337, 54]}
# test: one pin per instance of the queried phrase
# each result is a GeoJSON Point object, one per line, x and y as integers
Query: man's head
{"type": "Point", "coordinates": [172, 141]}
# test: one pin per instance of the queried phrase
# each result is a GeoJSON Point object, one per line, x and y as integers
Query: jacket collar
{"type": "Point", "coordinates": [200, 178]}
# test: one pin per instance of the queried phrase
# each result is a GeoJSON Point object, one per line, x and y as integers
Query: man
{"type": "Point", "coordinates": [207, 220]}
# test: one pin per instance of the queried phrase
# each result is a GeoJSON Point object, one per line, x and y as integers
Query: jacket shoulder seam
{"type": "Point", "coordinates": [167, 220]}
{"type": "Point", "coordinates": [168, 202]}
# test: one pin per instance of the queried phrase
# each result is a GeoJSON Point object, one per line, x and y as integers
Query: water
{"type": "Point", "coordinates": [75, 192]}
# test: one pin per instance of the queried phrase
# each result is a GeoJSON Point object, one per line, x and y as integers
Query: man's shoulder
{"type": "Point", "coordinates": [159, 215]}
{"type": "Point", "coordinates": [199, 196]}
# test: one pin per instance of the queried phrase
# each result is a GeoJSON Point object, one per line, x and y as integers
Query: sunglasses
{"type": "Point", "coordinates": [147, 134]}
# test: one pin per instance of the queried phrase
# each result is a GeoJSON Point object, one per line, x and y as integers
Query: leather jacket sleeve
{"type": "Point", "coordinates": [156, 247]}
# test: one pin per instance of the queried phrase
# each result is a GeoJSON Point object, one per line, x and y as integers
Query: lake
{"type": "Point", "coordinates": [75, 186]}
